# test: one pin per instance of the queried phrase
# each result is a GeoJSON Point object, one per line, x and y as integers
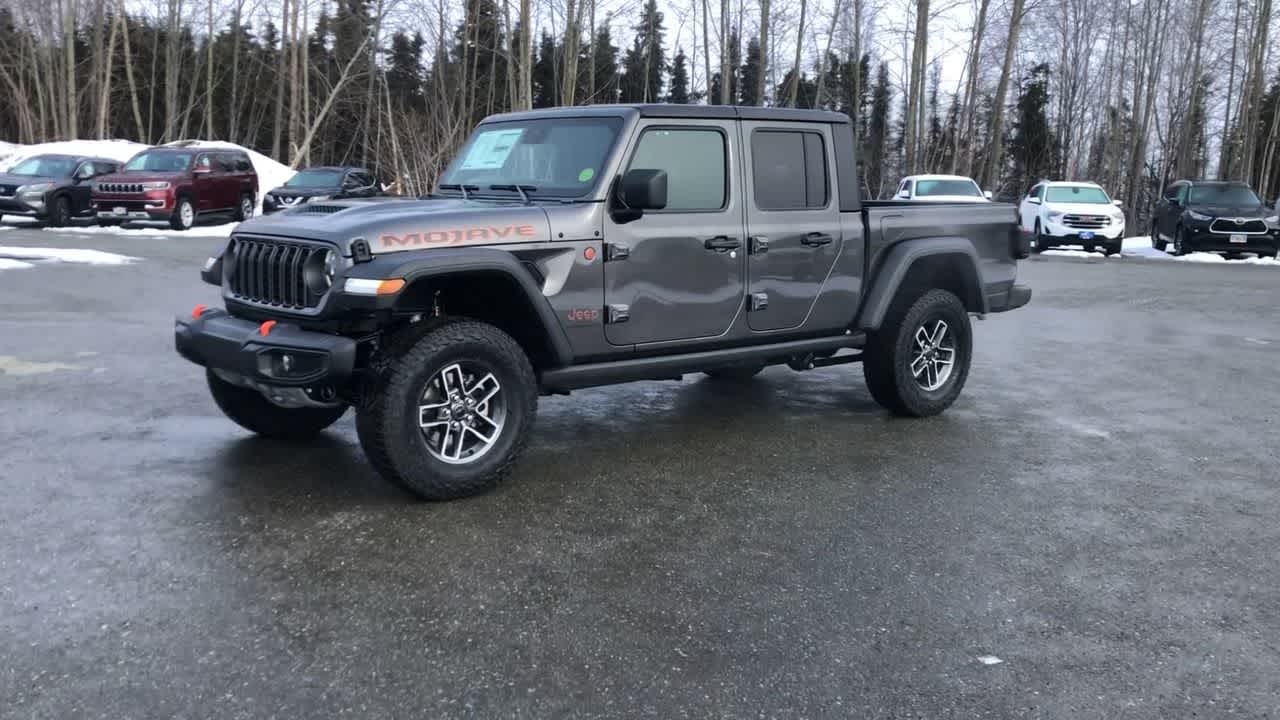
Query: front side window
{"type": "Point", "coordinates": [159, 162]}
{"type": "Point", "coordinates": [45, 166]}
{"type": "Point", "coordinates": [1171, 192]}
{"type": "Point", "coordinates": [950, 188]}
{"type": "Point", "coordinates": [694, 160]}
{"type": "Point", "coordinates": [86, 171]}
{"type": "Point", "coordinates": [1076, 194]}
{"type": "Point", "coordinates": [1034, 192]}
{"type": "Point", "coordinates": [789, 170]}
{"type": "Point", "coordinates": [557, 157]}
{"type": "Point", "coordinates": [1223, 195]}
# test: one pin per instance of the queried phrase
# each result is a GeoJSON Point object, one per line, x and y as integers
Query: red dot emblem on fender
{"type": "Point", "coordinates": [589, 254]}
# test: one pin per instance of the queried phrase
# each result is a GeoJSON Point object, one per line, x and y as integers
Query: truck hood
{"type": "Point", "coordinates": [1232, 211]}
{"type": "Point", "coordinates": [400, 224]}
{"type": "Point", "coordinates": [1108, 209]}
{"type": "Point", "coordinates": [140, 177]}
{"type": "Point", "coordinates": [10, 183]}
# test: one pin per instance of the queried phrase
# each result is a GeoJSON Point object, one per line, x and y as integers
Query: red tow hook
{"type": "Point", "coordinates": [265, 327]}
{"type": "Point", "coordinates": [197, 311]}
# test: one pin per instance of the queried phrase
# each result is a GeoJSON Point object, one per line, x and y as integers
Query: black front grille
{"type": "Point", "coordinates": [120, 187]}
{"type": "Point", "coordinates": [1086, 222]}
{"type": "Point", "coordinates": [1229, 225]}
{"type": "Point", "coordinates": [270, 272]}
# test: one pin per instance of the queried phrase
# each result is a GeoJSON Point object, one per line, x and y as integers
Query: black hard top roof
{"type": "Point", "coordinates": [669, 110]}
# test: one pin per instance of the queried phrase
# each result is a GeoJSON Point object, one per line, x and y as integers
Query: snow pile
{"type": "Point", "coordinates": [120, 150]}
{"type": "Point", "coordinates": [6, 151]}
{"type": "Point", "coordinates": [1076, 251]}
{"type": "Point", "coordinates": [7, 264]}
{"type": "Point", "coordinates": [153, 229]}
{"type": "Point", "coordinates": [1141, 247]}
{"type": "Point", "coordinates": [271, 174]}
{"type": "Point", "coordinates": [72, 255]}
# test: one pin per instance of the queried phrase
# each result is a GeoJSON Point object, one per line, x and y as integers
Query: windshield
{"type": "Point", "coordinates": [1223, 195]}
{"type": "Point", "coordinates": [45, 166]}
{"type": "Point", "coordinates": [1083, 195]}
{"type": "Point", "coordinates": [928, 188]}
{"type": "Point", "coordinates": [315, 179]}
{"type": "Point", "coordinates": [560, 157]}
{"type": "Point", "coordinates": [159, 162]}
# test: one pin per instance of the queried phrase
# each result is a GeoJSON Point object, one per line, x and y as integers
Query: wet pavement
{"type": "Point", "coordinates": [1097, 513]}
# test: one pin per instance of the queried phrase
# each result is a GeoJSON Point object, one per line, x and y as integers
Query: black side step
{"type": "Point", "coordinates": [667, 366]}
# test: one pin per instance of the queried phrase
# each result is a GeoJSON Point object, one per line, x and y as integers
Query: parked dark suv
{"type": "Point", "coordinates": [1214, 217]}
{"type": "Point", "coordinates": [319, 184]}
{"type": "Point", "coordinates": [178, 185]}
{"type": "Point", "coordinates": [52, 188]}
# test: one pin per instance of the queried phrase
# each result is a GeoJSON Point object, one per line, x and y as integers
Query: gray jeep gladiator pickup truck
{"type": "Point", "coordinates": [587, 246]}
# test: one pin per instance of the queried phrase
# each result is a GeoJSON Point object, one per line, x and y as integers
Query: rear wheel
{"type": "Point", "coordinates": [449, 417]}
{"type": "Point", "coordinates": [245, 210]}
{"type": "Point", "coordinates": [251, 411]}
{"type": "Point", "coordinates": [184, 215]}
{"type": "Point", "coordinates": [918, 361]}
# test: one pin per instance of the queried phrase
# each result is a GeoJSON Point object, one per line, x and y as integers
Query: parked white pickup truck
{"type": "Point", "coordinates": [940, 188]}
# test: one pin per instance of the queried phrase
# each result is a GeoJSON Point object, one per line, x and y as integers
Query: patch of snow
{"type": "Point", "coordinates": [73, 255]}
{"type": "Point", "coordinates": [7, 264]}
{"type": "Point", "coordinates": [1141, 247]}
{"type": "Point", "coordinates": [10, 365]}
{"type": "Point", "coordinates": [271, 174]}
{"type": "Point", "coordinates": [158, 229]}
{"type": "Point", "coordinates": [989, 660]}
{"type": "Point", "coordinates": [120, 150]}
{"type": "Point", "coordinates": [1076, 252]}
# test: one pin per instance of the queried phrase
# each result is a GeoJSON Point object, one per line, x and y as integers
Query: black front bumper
{"type": "Point", "coordinates": [285, 355]}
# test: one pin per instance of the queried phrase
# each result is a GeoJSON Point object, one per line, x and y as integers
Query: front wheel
{"type": "Point", "coordinates": [251, 411]}
{"type": "Point", "coordinates": [245, 210]}
{"type": "Point", "coordinates": [917, 362]}
{"type": "Point", "coordinates": [450, 416]}
{"type": "Point", "coordinates": [1115, 248]}
{"type": "Point", "coordinates": [60, 212]}
{"type": "Point", "coordinates": [184, 215]}
{"type": "Point", "coordinates": [1180, 242]}
{"type": "Point", "coordinates": [1041, 239]}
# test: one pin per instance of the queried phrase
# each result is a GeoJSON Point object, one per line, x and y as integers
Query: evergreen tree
{"type": "Point", "coordinates": [606, 62]}
{"type": "Point", "coordinates": [806, 93]}
{"type": "Point", "coordinates": [1033, 147]}
{"type": "Point", "coordinates": [404, 70]}
{"type": "Point", "coordinates": [646, 60]}
{"type": "Point", "coordinates": [877, 136]}
{"type": "Point", "coordinates": [546, 88]}
{"type": "Point", "coordinates": [679, 91]}
{"type": "Point", "coordinates": [749, 76]}
{"type": "Point", "coordinates": [734, 84]}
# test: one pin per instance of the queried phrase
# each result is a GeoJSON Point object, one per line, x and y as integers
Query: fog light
{"type": "Point", "coordinates": [286, 363]}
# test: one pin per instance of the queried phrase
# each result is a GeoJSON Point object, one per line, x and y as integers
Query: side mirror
{"type": "Point", "coordinates": [1117, 203]}
{"type": "Point", "coordinates": [641, 190]}
{"type": "Point", "coordinates": [987, 194]}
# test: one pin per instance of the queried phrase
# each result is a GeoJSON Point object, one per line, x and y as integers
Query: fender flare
{"type": "Point", "coordinates": [897, 264]}
{"type": "Point", "coordinates": [417, 266]}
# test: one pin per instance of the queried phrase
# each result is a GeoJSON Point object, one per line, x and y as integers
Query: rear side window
{"type": "Point", "coordinates": [242, 163]}
{"type": "Point", "coordinates": [694, 159]}
{"type": "Point", "coordinates": [789, 170]}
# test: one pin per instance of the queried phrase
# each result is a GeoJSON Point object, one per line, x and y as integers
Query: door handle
{"type": "Point", "coordinates": [721, 243]}
{"type": "Point", "coordinates": [817, 239]}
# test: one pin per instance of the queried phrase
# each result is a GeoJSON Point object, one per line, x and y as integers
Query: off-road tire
{"type": "Point", "coordinates": [734, 373]}
{"type": "Point", "coordinates": [887, 354]}
{"type": "Point", "coordinates": [387, 419]}
{"type": "Point", "coordinates": [1156, 242]}
{"type": "Point", "coordinates": [176, 220]}
{"type": "Point", "coordinates": [60, 212]}
{"type": "Point", "coordinates": [251, 411]}
{"type": "Point", "coordinates": [243, 213]}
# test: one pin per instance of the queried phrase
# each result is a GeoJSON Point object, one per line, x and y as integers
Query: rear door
{"type": "Point", "coordinates": [678, 273]}
{"type": "Point", "coordinates": [230, 180]}
{"type": "Point", "coordinates": [793, 223]}
{"type": "Point", "coordinates": [204, 178]}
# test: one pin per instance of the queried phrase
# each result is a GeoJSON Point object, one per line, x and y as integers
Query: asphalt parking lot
{"type": "Point", "coordinates": [1090, 532]}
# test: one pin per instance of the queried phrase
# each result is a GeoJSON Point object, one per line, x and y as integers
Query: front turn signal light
{"type": "Point", "coordinates": [362, 286]}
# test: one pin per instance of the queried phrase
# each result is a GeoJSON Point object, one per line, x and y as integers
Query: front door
{"type": "Point", "coordinates": [793, 223]}
{"type": "Point", "coordinates": [678, 273]}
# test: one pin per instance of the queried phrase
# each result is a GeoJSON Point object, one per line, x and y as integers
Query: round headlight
{"type": "Point", "coordinates": [320, 270]}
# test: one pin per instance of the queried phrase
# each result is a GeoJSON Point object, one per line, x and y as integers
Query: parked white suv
{"type": "Point", "coordinates": [940, 188]}
{"type": "Point", "coordinates": [1072, 213]}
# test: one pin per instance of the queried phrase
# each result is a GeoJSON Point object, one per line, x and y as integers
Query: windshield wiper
{"type": "Point", "coordinates": [522, 189]}
{"type": "Point", "coordinates": [460, 188]}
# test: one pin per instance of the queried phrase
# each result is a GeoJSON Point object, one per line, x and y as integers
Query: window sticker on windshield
{"type": "Point", "coordinates": [586, 175]}
{"type": "Point", "coordinates": [490, 149]}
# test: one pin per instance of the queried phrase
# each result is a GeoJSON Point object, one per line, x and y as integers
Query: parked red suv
{"type": "Point", "coordinates": [179, 185]}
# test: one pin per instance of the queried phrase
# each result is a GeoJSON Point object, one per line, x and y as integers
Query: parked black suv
{"type": "Point", "coordinates": [1214, 217]}
{"type": "Point", "coordinates": [52, 188]}
{"type": "Point", "coordinates": [321, 183]}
